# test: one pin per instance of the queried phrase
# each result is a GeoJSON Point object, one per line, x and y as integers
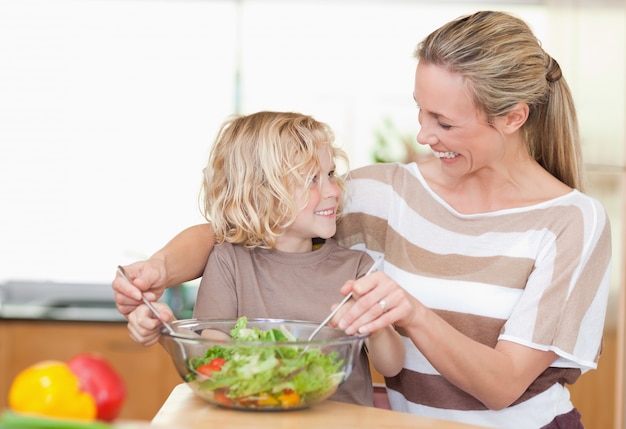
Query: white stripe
{"type": "Point", "coordinates": [415, 360]}
{"type": "Point", "coordinates": [475, 298]}
{"type": "Point", "coordinates": [564, 360]}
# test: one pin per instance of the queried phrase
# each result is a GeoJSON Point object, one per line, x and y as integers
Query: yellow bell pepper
{"type": "Point", "coordinates": [266, 399]}
{"type": "Point", "coordinates": [289, 399]}
{"type": "Point", "coordinates": [50, 388]}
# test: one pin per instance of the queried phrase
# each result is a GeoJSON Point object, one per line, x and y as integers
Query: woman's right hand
{"type": "Point", "coordinates": [148, 277]}
{"type": "Point", "coordinates": [144, 326]}
{"type": "Point", "coordinates": [377, 302]}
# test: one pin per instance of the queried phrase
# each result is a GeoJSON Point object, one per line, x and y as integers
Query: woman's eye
{"type": "Point", "coordinates": [331, 174]}
{"type": "Point", "coordinates": [313, 179]}
{"type": "Point", "coordinates": [445, 126]}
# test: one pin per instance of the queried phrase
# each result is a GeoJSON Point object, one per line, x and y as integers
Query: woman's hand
{"type": "Point", "coordinates": [143, 325]}
{"type": "Point", "coordinates": [182, 259]}
{"type": "Point", "coordinates": [378, 302]}
{"type": "Point", "coordinates": [147, 277]}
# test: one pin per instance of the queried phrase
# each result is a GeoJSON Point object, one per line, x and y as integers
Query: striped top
{"type": "Point", "coordinates": [537, 276]}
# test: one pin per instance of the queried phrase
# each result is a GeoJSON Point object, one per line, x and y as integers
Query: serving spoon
{"type": "Point", "coordinates": [343, 301]}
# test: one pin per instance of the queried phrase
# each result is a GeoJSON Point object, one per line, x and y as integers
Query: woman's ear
{"type": "Point", "coordinates": [516, 117]}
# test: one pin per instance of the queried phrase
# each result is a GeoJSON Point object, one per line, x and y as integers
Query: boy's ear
{"type": "Point", "coordinates": [516, 117]}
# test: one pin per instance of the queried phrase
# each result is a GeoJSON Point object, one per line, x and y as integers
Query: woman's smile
{"type": "Point", "coordinates": [446, 155]}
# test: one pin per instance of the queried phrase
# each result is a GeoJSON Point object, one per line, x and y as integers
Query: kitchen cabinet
{"type": "Point", "coordinates": [620, 379]}
{"type": "Point", "coordinates": [599, 394]}
{"type": "Point", "coordinates": [594, 392]}
{"type": "Point", "coordinates": [148, 372]}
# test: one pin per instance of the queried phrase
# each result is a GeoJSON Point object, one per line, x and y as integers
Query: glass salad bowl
{"type": "Point", "coordinates": [260, 364]}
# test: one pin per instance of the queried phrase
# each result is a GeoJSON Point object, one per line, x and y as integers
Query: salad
{"type": "Point", "coordinates": [265, 377]}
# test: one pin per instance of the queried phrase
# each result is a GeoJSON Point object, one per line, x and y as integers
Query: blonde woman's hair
{"type": "Point", "coordinates": [504, 64]}
{"type": "Point", "coordinates": [254, 166]}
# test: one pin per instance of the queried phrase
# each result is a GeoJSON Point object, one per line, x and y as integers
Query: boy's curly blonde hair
{"type": "Point", "coordinates": [254, 167]}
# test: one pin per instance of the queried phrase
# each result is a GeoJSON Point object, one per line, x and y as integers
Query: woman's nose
{"type": "Point", "coordinates": [426, 136]}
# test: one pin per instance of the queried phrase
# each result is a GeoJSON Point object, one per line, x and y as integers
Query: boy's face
{"type": "Point", "coordinates": [318, 217]}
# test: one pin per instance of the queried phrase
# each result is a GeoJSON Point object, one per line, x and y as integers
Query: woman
{"type": "Point", "coordinates": [496, 264]}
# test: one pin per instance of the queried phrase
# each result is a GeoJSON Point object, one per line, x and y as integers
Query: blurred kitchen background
{"type": "Point", "coordinates": [108, 109]}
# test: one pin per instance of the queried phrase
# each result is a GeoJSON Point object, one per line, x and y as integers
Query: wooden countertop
{"type": "Point", "coordinates": [184, 410]}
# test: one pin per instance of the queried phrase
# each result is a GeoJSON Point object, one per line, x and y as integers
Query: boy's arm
{"type": "Point", "coordinates": [386, 351]}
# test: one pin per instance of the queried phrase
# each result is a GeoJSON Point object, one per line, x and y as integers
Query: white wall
{"type": "Point", "coordinates": [108, 108]}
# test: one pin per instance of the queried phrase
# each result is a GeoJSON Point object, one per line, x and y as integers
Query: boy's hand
{"type": "Point", "coordinates": [143, 325]}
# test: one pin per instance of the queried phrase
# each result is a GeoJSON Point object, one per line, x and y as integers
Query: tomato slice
{"type": "Point", "coordinates": [209, 368]}
{"type": "Point", "coordinates": [221, 398]}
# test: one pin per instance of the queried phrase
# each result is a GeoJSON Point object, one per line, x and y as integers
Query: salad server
{"type": "Point", "coordinates": [343, 301]}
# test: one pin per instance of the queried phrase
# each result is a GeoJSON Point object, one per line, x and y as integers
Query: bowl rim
{"type": "Point", "coordinates": [190, 322]}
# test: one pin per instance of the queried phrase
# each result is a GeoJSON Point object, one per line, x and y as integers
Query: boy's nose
{"type": "Point", "coordinates": [330, 189]}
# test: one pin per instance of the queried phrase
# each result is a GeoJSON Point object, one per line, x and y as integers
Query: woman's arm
{"type": "Point", "coordinates": [495, 376]}
{"type": "Point", "coordinates": [182, 259]}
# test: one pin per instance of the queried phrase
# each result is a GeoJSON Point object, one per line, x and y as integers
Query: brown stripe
{"type": "Point", "coordinates": [510, 272]}
{"type": "Point", "coordinates": [578, 302]}
{"type": "Point", "coordinates": [547, 379]}
{"type": "Point", "coordinates": [435, 391]}
{"type": "Point", "coordinates": [483, 329]}
{"type": "Point", "coordinates": [432, 391]}
{"type": "Point", "coordinates": [555, 296]}
{"type": "Point", "coordinates": [350, 231]}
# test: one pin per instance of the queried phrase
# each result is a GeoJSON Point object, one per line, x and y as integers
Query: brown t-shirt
{"type": "Point", "coordinates": [265, 283]}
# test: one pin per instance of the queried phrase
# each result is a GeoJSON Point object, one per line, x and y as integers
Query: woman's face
{"type": "Point", "coordinates": [455, 129]}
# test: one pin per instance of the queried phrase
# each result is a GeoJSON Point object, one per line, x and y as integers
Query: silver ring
{"type": "Point", "coordinates": [383, 305]}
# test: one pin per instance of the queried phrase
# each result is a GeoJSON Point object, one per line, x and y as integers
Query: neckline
{"type": "Point", "coordinates": [443, 203]}
{"type": "Point", "coordinates": [295, 259]}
